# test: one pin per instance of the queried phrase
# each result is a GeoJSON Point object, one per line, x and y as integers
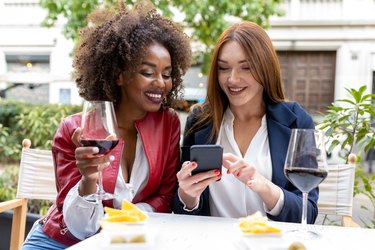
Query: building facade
{"type": "Point", "coordinates": [35, 62]}
{"type": "Point", "coordinates": [324, 46]}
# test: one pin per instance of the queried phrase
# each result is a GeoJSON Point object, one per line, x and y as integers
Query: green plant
{"type": "Point", "coordinates": [19, 120]}
{"type": "Point", "coordinates": [8, 191]}
{"type": "Point", "coordinates": [348, 126]}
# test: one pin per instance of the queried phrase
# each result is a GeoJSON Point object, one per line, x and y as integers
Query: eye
{"type": "Point", "coordinates": [146, 74]}
{"type": "Point", "coordinates": [166, 76]}
{"type": "Point", "coordinates": [221, 68]}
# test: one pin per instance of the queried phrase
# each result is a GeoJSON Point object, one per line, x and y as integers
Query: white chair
{"type": "Point", "coordinates": [336, 192]}
{"type": "Point", "coordinates": [36, 180]}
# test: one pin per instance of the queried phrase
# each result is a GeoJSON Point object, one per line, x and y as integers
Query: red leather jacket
{"type": "Point", "coordinates": [160, 135]}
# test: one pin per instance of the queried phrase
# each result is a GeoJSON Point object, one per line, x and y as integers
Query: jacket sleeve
{"type": "Point", "coordinates": [188, 141]}
{"type": "Point", "coordinates": [292, 210]}
{"type": "Point", "coordinates": [63, 152]}
{"type": "Point", "coordinates": [161, 200]}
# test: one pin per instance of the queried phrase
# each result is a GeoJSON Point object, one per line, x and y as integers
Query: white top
{"type": "Point", "coordinates": [81, 216]}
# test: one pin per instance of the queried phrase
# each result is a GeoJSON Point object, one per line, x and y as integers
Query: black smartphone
{"type": "Point", "coordinates": [208, 157]}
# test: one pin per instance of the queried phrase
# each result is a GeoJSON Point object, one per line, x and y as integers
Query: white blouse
{"type": "Point", "coordinates": [81, 216]}
{"type": "Point", "coordinates": [231, 198]}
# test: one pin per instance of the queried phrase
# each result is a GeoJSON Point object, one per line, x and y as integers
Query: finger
{"type": "Point", "coordinates": [75, 137]}
{"type": "Point", "coordinates": [86, 152]}
{"type": "Point", "coordinates": [229, 160]}
{"type": "Point", "coordinates": [230, 157]}
{"type": "Point", "coordinates": [234, 166]}
{"type": "Point", "coordinates": [111, 137]}
{"type": "Point", "coordinates": [202, 185]}
{"type": "Point", "coordinates": [195, 189]}
{"type": "Point", "coordinates": [202, 177]}
{"type": "Point", "coordinates": [186, 169]}
{"type": "Point", "coordinates": [246, 173]}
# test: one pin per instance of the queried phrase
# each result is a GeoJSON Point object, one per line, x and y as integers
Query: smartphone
{"type": "Point", "coordinates": [208, 157]}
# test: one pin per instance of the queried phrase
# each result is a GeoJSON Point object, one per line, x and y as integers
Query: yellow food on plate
{"type": "Point", "coordinates": [257, 224]}
{"type": "Point", "coordinates": [128, 213]}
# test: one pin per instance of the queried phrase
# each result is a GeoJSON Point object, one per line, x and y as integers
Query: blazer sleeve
{"type": "Point", "coordinates": [292, 210]}
{"type": "Point", "coordinates": [188, 141]}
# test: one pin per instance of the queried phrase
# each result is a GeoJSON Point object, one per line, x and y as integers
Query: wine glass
{"type": "Point", "coordinates": [306, 168]}
{"type": "Point", "coordinates": [99, 129]}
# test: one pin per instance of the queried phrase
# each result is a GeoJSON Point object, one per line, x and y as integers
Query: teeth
{"type": "Point", "coordinates": [236, 89]}
{"type": "Point", "coordinates": [153, 95]}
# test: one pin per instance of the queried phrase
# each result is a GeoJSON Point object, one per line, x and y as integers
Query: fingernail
{"type": "Point", "coordinates": [238, 173]}
{"type": "Point", "coordinates": [228, 172]}
{"type": "Point", "coordinates": [194, 164]}
{"type": "Point", "coordinates": [217, 171]}
{"type": "Point", "coordinates": [95, 150]}
{"type": "Point", "coordinates": [111, 158]}
{"type": "Point", "coordinates": [219, 175]}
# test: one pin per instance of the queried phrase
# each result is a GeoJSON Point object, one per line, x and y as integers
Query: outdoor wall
{"type": "Point", "coordinates": [344, 26]}
{"type": "Point", "coordinates": [25, 36]}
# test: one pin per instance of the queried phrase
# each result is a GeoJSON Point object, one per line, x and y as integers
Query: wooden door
{"type": "Point", "coordinates": [309, 78]}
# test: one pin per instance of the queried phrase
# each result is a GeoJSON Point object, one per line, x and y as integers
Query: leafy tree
{"type": "Point", "coordinates": [205, 19]}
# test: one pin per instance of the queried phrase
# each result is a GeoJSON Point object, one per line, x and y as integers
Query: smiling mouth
{"type": "Point", "coordinates": [155, 97]}
{"type": "Point", "coordinates": [236, 91]}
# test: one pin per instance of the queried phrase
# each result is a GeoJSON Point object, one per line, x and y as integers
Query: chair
{"type": "Point", "coordinates": [36, 180]}
{"type": "Point", "coordinates": [336, 192]}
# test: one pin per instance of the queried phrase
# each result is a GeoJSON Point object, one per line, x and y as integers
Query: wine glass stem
{"type": "Point", "coordinates": [100, 182]}
{"type": "Point", "coordinates": [304, 209]}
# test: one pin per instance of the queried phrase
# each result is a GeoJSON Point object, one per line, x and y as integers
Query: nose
{"type": "Point", "coordinates": [234, 76]}
{"type": "Point", "coordinates": [159, 81]}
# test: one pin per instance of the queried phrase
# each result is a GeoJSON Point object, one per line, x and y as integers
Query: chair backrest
{"type": "Point", "coordinates": [36, 178]}
{"type": "Point", "coordinates": [336, 191]}
{"type": "Point", "coordinates": [36, 181]}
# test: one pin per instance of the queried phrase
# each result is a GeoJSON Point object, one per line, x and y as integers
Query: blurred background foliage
{"type": "Point", "coordinates": [204, 20]}
{"type": "Point", "coordinates": [19, 120]}
{"type": "Point", "coordinates": [38, 122]}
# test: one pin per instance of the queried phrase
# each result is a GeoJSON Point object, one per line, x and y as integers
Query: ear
{"type": "Point", "coordinates": [121, 79]}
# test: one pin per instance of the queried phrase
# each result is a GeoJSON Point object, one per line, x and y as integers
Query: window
{"type": "Point", "coordinates": [65, 96]}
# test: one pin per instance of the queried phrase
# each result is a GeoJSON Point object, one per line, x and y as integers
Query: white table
{"type": "Point", "coordinates": [198, 232]}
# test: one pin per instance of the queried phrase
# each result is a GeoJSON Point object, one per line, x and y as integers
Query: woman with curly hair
{"type": "Point", "coordinates": [134, 58]}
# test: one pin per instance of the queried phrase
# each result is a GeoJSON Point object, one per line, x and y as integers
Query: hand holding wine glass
{"type": "Point", "coordinates": [99, 129]}
{"type": "Point", "coordinates": [306, 167]}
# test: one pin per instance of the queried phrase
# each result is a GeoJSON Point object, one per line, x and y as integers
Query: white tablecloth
{"type": "Point", "coordinates": [170, 231]}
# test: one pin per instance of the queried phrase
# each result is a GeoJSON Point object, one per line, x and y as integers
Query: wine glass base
{"type": "Point", "coordinates": [99, 196]}
{"type": "Point", "coordinates": [303, 234]}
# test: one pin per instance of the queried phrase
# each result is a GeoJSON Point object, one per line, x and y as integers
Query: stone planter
{"type": "Point", "coordinates": [6, 227]}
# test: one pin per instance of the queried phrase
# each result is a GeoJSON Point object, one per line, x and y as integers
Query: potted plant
{"type": "Point", "coordinates": [347, 124]}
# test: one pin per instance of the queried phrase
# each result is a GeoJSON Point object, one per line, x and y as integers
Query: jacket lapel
{"type": "Point", "coordinates": [280, 121]}
{"type": "Point", "coordinates": [203, 136]}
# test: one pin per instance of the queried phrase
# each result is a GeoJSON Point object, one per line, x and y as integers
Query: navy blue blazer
{"type": "Point", "coordinates": [281, 119]}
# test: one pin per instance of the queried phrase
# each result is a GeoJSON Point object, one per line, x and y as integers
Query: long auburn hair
{"type": "Point", "coordinates": [262, 58]}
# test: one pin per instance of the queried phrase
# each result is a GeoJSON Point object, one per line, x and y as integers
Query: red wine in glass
{"type": "Point", "coordinates": [305, 179]}
{"type": "Point", "coordinates": [104, 146]}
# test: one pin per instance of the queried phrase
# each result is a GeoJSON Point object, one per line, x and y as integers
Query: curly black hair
{"type": "Point", "coordinates": [117, 40]}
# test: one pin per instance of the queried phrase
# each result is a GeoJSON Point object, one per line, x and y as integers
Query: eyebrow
{"type": "Point", "coordinates": [153, 65]}
{"type": "Point", "coordinates": [223, 61]}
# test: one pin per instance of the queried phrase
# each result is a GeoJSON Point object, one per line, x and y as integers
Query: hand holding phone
{"type": "Point", "coordinates": [208, 157]}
